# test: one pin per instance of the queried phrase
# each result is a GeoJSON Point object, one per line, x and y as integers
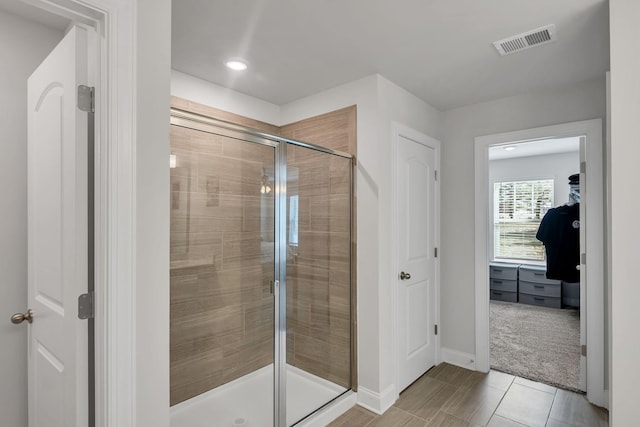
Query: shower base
{"type": "Point", "coordinates": [248, 401]}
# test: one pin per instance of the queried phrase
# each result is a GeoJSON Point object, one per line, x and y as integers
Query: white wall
{"type": "Point", "coordinates": [23, 45]}
{"type": "Point", "coordinates": [151, 323]}
{"type": "Point", "coordinates": [552, 166]}
{"type": "Point", "coordinates": [198, 90]}
{"type": "Point", "coordinates": [625, 205]}
{"type": "Point", "coordinates": [554, 106]}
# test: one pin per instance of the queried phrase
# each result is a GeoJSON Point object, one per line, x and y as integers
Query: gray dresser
{"type": "Point", "coordinates": [534, 287]}
{"type": "Point", "coordinates": [571, 294]}
{"type": "Point", "coordinates": [503, 281]}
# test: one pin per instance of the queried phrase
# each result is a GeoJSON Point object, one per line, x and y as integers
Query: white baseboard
{"type": "Point", "coordinates": [377, 402]}
{"type": "Point", "coordinates": [331, 412]}
{"type": "Point", "coordinates": [458, 358]}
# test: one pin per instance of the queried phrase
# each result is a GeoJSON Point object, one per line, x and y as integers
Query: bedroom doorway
{"type": "Point", "coordinates": [591, 254]}
{"type": "Point", "coordinates": [535, 321]}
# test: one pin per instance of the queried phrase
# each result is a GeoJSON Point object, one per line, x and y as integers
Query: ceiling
{"type": "Point", "coordinates": [439, 50]}
{"type": "Point", "coordinates": [535, 148]}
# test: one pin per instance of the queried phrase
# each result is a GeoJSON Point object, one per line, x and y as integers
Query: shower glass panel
{"type": "Point", "coordinates": [318, 262]}
{"type": "Point", "coordinates": [261, 247]}
{"type": "Point", "coordinates": [222, 267]}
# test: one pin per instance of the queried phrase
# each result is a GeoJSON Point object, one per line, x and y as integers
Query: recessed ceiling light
{"type": "Point", "coordinates": [509, 148]}
{"type": "Point", "coordinates": [236, 64]}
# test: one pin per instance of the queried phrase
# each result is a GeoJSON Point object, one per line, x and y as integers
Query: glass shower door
{"type": "Point", "coordinates": [318, 279]}
{"type": "Point", "coordinates": [261, 247]}
{"type": "Point", "coordinates": [222, 268]}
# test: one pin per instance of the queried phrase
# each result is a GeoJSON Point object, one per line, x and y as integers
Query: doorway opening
{"type": "Point", "coordinates": [534, 280]}
{"type": "Point", "coordinates": [592, 279]}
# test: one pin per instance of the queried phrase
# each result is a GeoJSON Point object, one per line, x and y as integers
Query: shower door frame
{"type": "Point", "coordinates": [187, 119]}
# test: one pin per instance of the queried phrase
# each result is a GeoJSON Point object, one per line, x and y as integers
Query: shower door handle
{"type": "Point", "coordinates": [274, 287]}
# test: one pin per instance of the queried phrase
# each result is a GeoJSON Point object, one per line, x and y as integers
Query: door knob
{"type": "Point", "coordinates": [21, 317]}
{"type": "Point", "coordinates": [405, 276]}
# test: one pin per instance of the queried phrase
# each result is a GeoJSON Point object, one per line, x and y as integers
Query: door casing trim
{"type": "Point", "coordinates": [111, 65]}
{"type": "Point", "coordinates": [594, 153]}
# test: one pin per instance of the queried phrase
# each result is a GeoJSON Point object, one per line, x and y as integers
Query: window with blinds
{"type": "Point", "coordinates": [518, 208]}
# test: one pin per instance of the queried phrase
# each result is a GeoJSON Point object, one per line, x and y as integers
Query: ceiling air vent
{"type": "Point", "coordinates": [526, 40]}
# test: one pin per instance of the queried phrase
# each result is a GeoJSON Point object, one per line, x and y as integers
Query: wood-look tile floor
{"type": "Point", "coordinates": [455, 397]}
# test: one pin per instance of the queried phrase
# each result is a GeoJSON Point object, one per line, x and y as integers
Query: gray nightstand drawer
{"type": "Point", "coordinates": [504, 296]}
{"type": "Point", "coordinates": [541, 301]}
{"type": "Point", "coordinates": [498, 270]}
{"type": "Point", "coordinates": [535, 274]}
{"type": "Point", "coordinates": [503, 285]}
{"type": "Point", "coordinates": [540, 289]}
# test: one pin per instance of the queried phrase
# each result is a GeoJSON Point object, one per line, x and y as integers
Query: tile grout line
{"type": "Point", "coordinates": [501, 399]}
{"type": "Point", "coordinates": [555, 395]}
{"type": "Point", "coordinates": [409, 413]}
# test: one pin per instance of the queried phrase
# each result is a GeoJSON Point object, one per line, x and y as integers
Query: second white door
{"type": "Point", "coordinates": [57, 237]}
{"type": "Point", "coordinates": [417, 209]}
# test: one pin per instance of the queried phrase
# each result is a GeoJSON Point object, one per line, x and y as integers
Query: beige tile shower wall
{"type": "Point", "coordinates": [335, 130]}
{"type": "Point", "coordinates": [319, 320]}
{"type": "Point", "coordinates": [222, 246]}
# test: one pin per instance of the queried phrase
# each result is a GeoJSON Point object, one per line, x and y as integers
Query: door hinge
{"type": "Point", "coordinates": [583, 167]}
{"type": "Point", "coordinates": [436, 329]}
{"type": "Point", "coordinates": [435, 252]}
{"type": "Point", "coordinates": [436, 174]}
{"type": "Point", "coordinates": [86, 98]}
{"type": "Point", "coordinates": [583, 259]}
{"type": "Point", "coordinates": [583, 350]}
{"type": "Point", "coordinates": [85, 306]}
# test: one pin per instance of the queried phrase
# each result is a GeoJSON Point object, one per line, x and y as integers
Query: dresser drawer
{"type": "Point", "coordinates": [503, 285]}
{"type": "Point", "coordinates": [503, 296]}
{"type": "Point", "coordinates": [498, 270]}
{"type": "Point", "coordinates": [571, 294]}
{"type": "Point", "coordinates": [535, 274]}
{"type": "Point", "coordinates": [540, 289]}
{"type": "Point", "coordinates": [539, 300]}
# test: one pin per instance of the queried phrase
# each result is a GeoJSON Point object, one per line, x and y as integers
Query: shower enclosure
{"type": "Point", "coordinates": [261, 259]}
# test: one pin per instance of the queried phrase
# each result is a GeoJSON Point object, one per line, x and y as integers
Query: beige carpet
{"type": "Point", "coordinates": [537, 343]}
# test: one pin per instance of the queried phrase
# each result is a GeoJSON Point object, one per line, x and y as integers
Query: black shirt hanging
{"type": "Point", "coordinates": [560, 233]}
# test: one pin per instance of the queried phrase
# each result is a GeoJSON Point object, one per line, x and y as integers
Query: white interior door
{"type": "Point", "coordinates": [57, 242]}
{"type": "Point", "coordinates": [416, 259]}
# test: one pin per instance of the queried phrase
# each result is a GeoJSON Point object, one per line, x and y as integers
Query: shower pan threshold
{"type": "Point", "coordinates": [248, 401]}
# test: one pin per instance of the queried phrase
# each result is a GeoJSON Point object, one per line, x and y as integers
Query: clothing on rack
{"type": "Point", "coordinates": [559, 231]}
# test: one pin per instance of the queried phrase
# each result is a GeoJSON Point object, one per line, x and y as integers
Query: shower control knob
{"type": "Point", "coordinates": [404, 276]}
{"type": "Point", "coordinates": [21, 317]}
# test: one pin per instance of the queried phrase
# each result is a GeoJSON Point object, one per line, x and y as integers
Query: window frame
{"type": "Point", "coordinates": [495, 221]}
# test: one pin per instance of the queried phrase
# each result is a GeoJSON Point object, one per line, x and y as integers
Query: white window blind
{"type": "Point", "coordinates": [518, 208]}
